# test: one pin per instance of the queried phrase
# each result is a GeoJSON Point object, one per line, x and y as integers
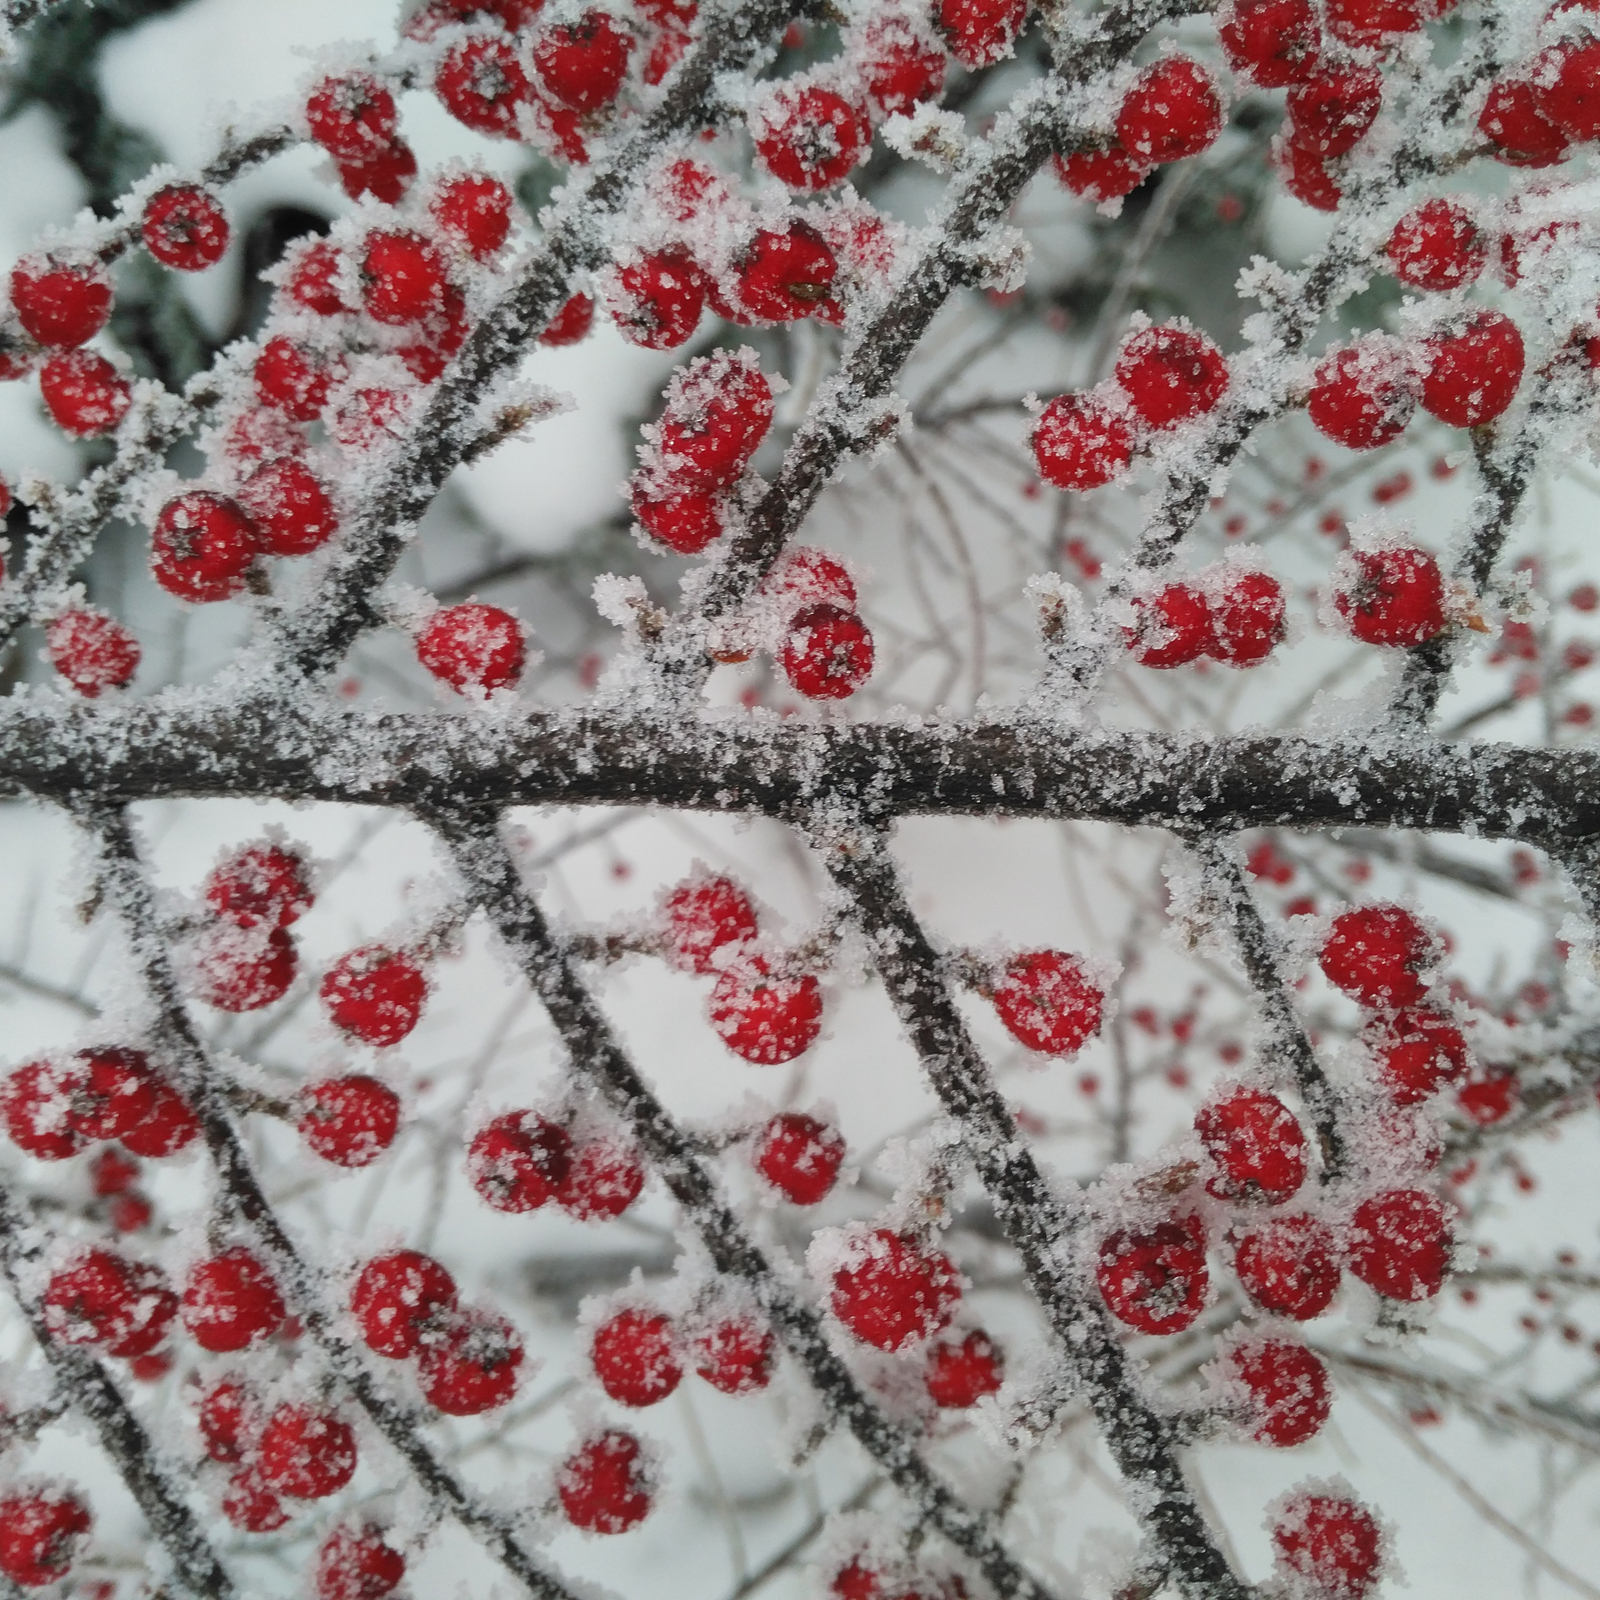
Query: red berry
{"type": "Point", "coordinates": [719, 409]}
{"type": "Point", "coordinates": [1399, 1244]}
{"type": "Point", "coordinates": [703, 915]}
{"type": "Point", "coordinates": [313, 279]}
{"type": "Point", "coordinates": [129, 1213]}
{"type": "Point", "coordinates": [295, 377]}
{"type": "Point", "coordinates": [105, 1299]}
{"type": "Point", "coordinates": [260, 884]}
{"type": "Point", "coordinates": [1472, 373]}
{"type": "Point", "coordinates": [603, 1180]}
{"type": "Point", "coordinates": [1105, 173]}
{"type": "Point", "coordinates": [1256, 1144]}
{"type": "Point", "coordinates": [1418, 1051]}
{"type": "Point", "coordinates": [375, 994]}
{"type": "Point", "coordinates": [686, 523]}
{"type": "Point", "coordinates": [292, 511]}
{"type": "Point", "coordinates": [799, 1156]}
{"type": "Point", "coordinates": [809, 137]}
{"type": "Point", "coordinates": [250, 1505]}
{"type": "Point", "coordinates": [583, 63]}
{"type": "Point", "coordinates": [635, 1358]}
{"type": "Point", "coordinates": [92, 651]}
{"type": "Point", "coordinates": [827, 652]}
{"type": "Point", "coordinates": [1331, 111]}
{"type": "Point", "coordinates": [36, 1105]}
{"type": "Point", "coordinates": [857, 1580]}
{"type": "Point", "coordinates": [85, 395]}
{"type": "Point", "coordinates": [243, 969]}
{"type": "Point", "coordinates": [385, 176]}
{"type": "Point", "coordinates": [113, 1173]}
{"type": "Point", "coordinates": [228, 1415]}
{"type": "Point", "coordinates": [1364, 394]}
{"type": "Point", "coordinates": [806, 576]}
{"type": "Point", "coordinates": [369, 417]}
{"type": "Point", "coordinates": [480, 82]}
{"type": "Point", "coordinates": [1512, 120]}
{"type": "Point", "coordinates": [306, 1451]}
{"type": "Point", "coordinates": [1172, 112]}
{"type": "Point", "coordinates": [60, 303]}
{"type": "Point", "coordinates": [354, 1563]}
{"type": "Point", "coordinates": [403, 278]}
{"type": "Point", "coordinates": [40, 1533]}
{"type": "Point", "coordinates": [1155, 1280]}
{"type": "Point", "coordinates": [1305, 175]}
{"type": "Point", "coordinates": [1247, 619]}
{"type": "Point", "coordinates": [475, 211]}
{"type": "Point", "coordinates": [1290, 1395]}
{"type": "Point", "coordinates": [1567, 81]}
{"type": "Point", "coordinates": [1491, 1099]}
{"type": "Point", "coordinates": [656, 301]}
{"type": "Point", "coordinates": [1172, 627]}
{"type": "Point", "coordinates": [349, 1121]}
{"type": "Point", "coordinates": [185, 227]}
{"type": "Point", "coordinates": [472, 647]}
{"type": "Point", "coordinates": [1081, 442]}
{"type": "Point", "coordinates": [786, 276]}
{"type": "Point", "coordinates": [1171, 374]}
{"type": "Point", "coordinates": [231, 1302]}
{"type": "Point", "coordinates": [202, 546]}
{"type": "Point", "coordinates": [735, 1355]}
{"type": "Point", "coordinates": [1437, 245]}
{"type": "Point", "coordinates": [900, 67]}
{"type": "Point", "coordinates": [571, 324]}
{"type": "Point", "coordinates": [1333, 1546]}
{"type": "Point", "coordinates": [518, 1161]}
{"type": "Point", "coordinates": [962, 1371]}
{"type": "Point", "coordinates": [1375, 953]}
{"type": "Point", "coordinates": [437, 339]}
{"type": "Point", "coordinates": [766, 1020]}
{"type": "Point", "coordinates": [981, 32]}
{"type": "Point", "coordinates": [472, 1367]}
{"type": "Point", "coordinates": [353, 118]}
{"type": "Point", "coordinates": [1048, 1002]}
{"type": "Point", "coordinates": [1393, 596]}
{"type": "Point", "coordinates": [114, 1092]}
{"type": "Point", "coordinates": [1289, 1265]}
{"type": "Point", "coordinates": [170, 1127]}
{"type": "Point", "coordinates": [1274, 43]}
{"type": "Point", "coordinates": [605, 1485]}
{"type": "Point", "coordinates": [397, 1298]}
{"type": "Point", "coordinates": [890, 1293]}
{"type": "Point", "coordinates": [1371, 22]}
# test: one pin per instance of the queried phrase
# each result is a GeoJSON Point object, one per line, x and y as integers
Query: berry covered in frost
{"type": "Point", "coordinates": [1392, 596]}
{"type": "Point", "coordinates": [295, 377]}
{"type": "Point", "coordinates": [1256, 1145]}
{"type": "Point", "coordinates": [1399, 1244]}
{"type": "Point", "coordinates": [656, 300]}
{"type": "Point", "coordinates": [961, 1372]}
{"type": "Point", "coordinates": [353, 117]}
{"type": "Point", "coordinates": [250, 1505]}
{"type": "Point", "coordinates": [1081, 441]}
{"type": "Point", "coordinates": [202, 546]}
{"type": "Point", "coordinates": [1364, 394]}
{"type": "Point", "coordinates": [827, 652]}
{"type": "Point", "coordinates": [899, 67]}
{"type": "Point", "coordinates": [635, 1358]}
{"type": "Point", "coordinates": [518, 1161]}
{"type": "Point", "coordinates": [36, 1105]}
{"type": "Point", "coordinates": [603, 1179]}
{"type": "Point", "coordinates": [101, 1298]}
{"type": "Point", "coordinates": [806, 576]}
{"type": "Point", "coordinates": [230, 1302]}
{"type": "Point", "coordinates": [92, 651]}
{"type": "Point", "coordinates": [1330, 112]}
{"type": "Point", "coordinates": [1172, 626]}
{"type": "Point", "coordinates": [1154, 1279]}
{"type": "Point", "coordinates": [686, 523]}
{"type": "Point", "coordinates": [1101, 173]}
{"type": "Point", "coordinates": [1437, 245]}
{"type": "Point", "coordinates": [474, 210]}
{"type": "Point", "coordinates": [1514, 123]}
{"type": "Point", "coordinates": [810, 137]}
{"type": "Point", "coordinates": [1371, 22]}
{"type": "Point", "coordinates": [704, 915]}
{"type": "Point", "coordinates": [170, 1127]}
{"type": "Point", "coordinates": [719, 409]}
{"type": "Point", "coordinates": [115, 1092]}
{"type": "Point", "coordinates": [1171, 374]}
{"type": "Point", "coordinates": [85, 395]}
{"type": "Point", "coordinates": [397, 1298]}
{"type": "Point", "coordinates": [1471, 373]}
{"type": "Point", "coordinates": [1304, 173]}
{"type": "Point", "coordinates": [799, 1156]}
{"type": "Point", "coordinates": [60, 303]}
{"type": "Point", "coordinates": [403, 277]}
{"type": "Point", "coordinates": [784, 276]}
{"type": "Point", "coordinates": [349, 1121]}
{"type": "Point", "coordinates": [1418, 1051]}
{"type": "Point", "coordinates": [385, 176]}
{"type": "Point", "coordinates": [571, 324]}
{"type": "Point", "coordinates": [1274, 43]}
{"type": "Point", "coordinates": [41, 1532]}
{"type": "Point", "coordinates": [1332, 1546]}
{"type": "Point", "coordinates": [472, 1366]}
{"type": "Point", "coordinates": [1567, 78]}
{"type": "Point", "coordinates": [312, 279]}
{"type": "Point", "coordinates": [768, 1020]}
{"type": "Point", "coordinates": [1289, 1392]}
{"type": "Point", "coordinates": [1048, 1002]}
{"type": "Point", "coordinates": [472, 647]}
{"type": "Point", "coordinates": [228, 1415]}
{"type": "Point", "coordinates": [1376, 954]}
{"type": "Point", "coordinates": [375, 994]}
{"type": "Point", "coordinates": [113, 1173]}
{"type": "Point", "coordinates": [1491, 1099]}
{"type": "Point", "coordinates": [735, 1354]}
{"type": "Point", "coordinates": [185, 226]}
{"type": "Point", "coordinates": [1172, 112]}
{"type": "Point", "coordinates": [583, 63]}
{"type": "Point", "coordinates": [1289, 1265]}
{"type": "Point", "coordinates": [889, 1292]}
{"type": "Point", "coordinates": [480, 82]}
{"type": "Point", "coordinates": [1247, 619]}
{"type": "Point", "coordinates": [981, 32]}
{"type": "Point", "coordinates": [356, 1563]}
{"type": "Point", "coordinates": [243, 969]}
{"type": "Point", "coordinates": [259, 885]}
{"type": "Point", "coordinates": [605, 1484]}
{"type": "Point", "coordinates": [307, 1451]}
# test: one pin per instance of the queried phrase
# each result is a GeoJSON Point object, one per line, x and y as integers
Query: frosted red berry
{"type": "Point", "coordinates": [307, 1452]}
{"type": "Point", "coordinates": [1471, 373]}
{"type": "Point", "coordinates": [1247, 619]}
{"type": "Point", "coordinates": [85, 395]}
{"type": "Point", "coordinates": [1172, 626]}
{"type": "Point", "coordinates": [1274, 43]}
{"type": "Point", "coordinates": [1101, 173]}
{"type": "Point", "coordinates": [1331, 111]}
{"type": "Point", "coordinates": [1255, 1144]}
{"type": "Point", "coordinates": [785, 275]}
{"type": "Point", "coordinates": [1048, 1002]}
{"type": "Point", "coordinates": [704, 915]}
{"type": "Point", "coordinates": [806, 576]}
{"type": "Point", "coordinates": [349, 1121]}
{"type": "Point", "coordinates": [228, 1415]}
{"type": "Point", "coordinates": [385, 176]}
{"type": "Point", "coordinates": [827, 652]}
{"type": "Point", "coordinates": [1567, 78]}
{"type": "Point", "coordinates": [397, 1298]}
{"type": "Point", "coordinates": [472, 1366]}
{"type": "Point", "coordinates": [1437, 245]}
{"type": "Point", "coordinates": [1490, 1099]}
{"type": "Point", "coordinates": [60, 303]}
{"type": "Point", "coordinates": [36, 1105]}
{"type": "Point", "coordinates": [1154, 1279]}
{"type": "Point", "coordinates": [810, 137]}
{"type": "Point", "coordinates": [243, 969]}
{"type": "Point", "coordinates": [113, 1173]}
{"type": "Point", "coordinates": [735, 1354]}
{"type": "Point", "coordinates": [890, 1293]}
{"type": "Point", "coordinates": [1376, 954]}
{"type": "Point", "coordinates": [312, 279]}
{"type": "Point", "coordinates": [899, 67]}
{"type": "Point", "coordinates": [374, 994]}
{"type": "Point", "coordinates": [356, 1563]}
{"type": "Point", "coordinates": [799, 1156]}
{"type": "Point", "coordinates": [1392, 596]}
{"type": "Point", "coordinates": [656, 301]}
{"type": "Point", "coordinates": [1081, 441]}
{"type": "Point", "coordinates": [768, 1020]}
{"type": "Point", "coordinates": [1172, 112]}
{"type": "Point", "coordinates": [604, 1178]}
{"type": "Point", "coordinates": [230, 1302]}
{"type": "Point", "coordinates": [1288, 1389]}
{"type": "Point", "coordinates": [186, 227]}
{"type": "Point", "coordinates": [583, 63]}
{"type": "Point", "coordinates": [1399, 1244]}
{"type": "Point", "coordinates": [472, 647]}
{"type": "Point", "coordinates": [403, 277]}
{"type": "Point", "coordinates": [290, 506]}
{"type": "Point", "coordinates": [474, 211]}
{"type": "Point", "coordinates": [250, 1505]}
{"type": "Point", "coordinates": [1289, 1265]}
{"type": "Point", "coordinates": [170, 1127]}
{"type": "Point", "coordinates": [113, 1092]}
{"type": "Point", "coordinates": [1372, 22]}
{"type": "Point", "coordinates": [718, 411]}
{"type": "Point", "coordinates": [1305, 175]}
{"type": "Point", "coordinates": [295, 377]}
{"type": "Point", "coordinates": [636, 1358]}
{"type": "Point", "coordinates": [1418, 1051]}
{"type": "Point", "coordinates": [92, 651]}
{"type": "Point", "coordinates": [960, 1372]}
{"type": "Point", "coordinates": [1333, 1546]}
{"type": "Point", "coordinates": [1364, 394]}
{"type": "Point", "coordinates": [102, 1298]}
{"type": "Point", "coordinates": [259, 884]}
{"type": "Point", "coordinates": [518, 1161]}
{"type": "Point", "coordinates": [571, 324]}
{"type": "Point", "coordinates": [981, 32]}
{"type": "Point", "coordinates": [685, 523]}
{"type": "Point", "coordinates": [1171, 374]}
{"type": "Point", "coordinates": [202, 546]}
{"type": "Point", "coordinates": [353, 117]}
{"type": "Point", "coordinates": [41, 1532]}
{"type": "Point", "coordinates": [481, 83]}
{"type": "Point", "coordinates": [1513, 121]}
{"type": "Point", "coordinates": [604, 1485]}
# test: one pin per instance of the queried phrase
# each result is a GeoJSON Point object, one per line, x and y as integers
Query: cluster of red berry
{"type": "Point", "coordinates": [1230, 613]}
